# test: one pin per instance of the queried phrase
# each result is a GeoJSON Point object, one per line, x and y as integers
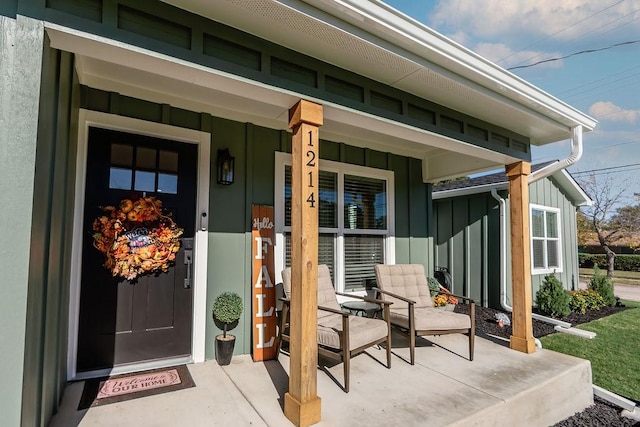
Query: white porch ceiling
{"type": "Point", "coordinates": [374, 40]}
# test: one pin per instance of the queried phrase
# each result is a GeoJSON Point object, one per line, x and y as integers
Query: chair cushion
{"type": "Point", "coordinates": [430, 319]}
{"type": "Point", "coordinates": [326, 292]}
{"type": "Point", "coordinates": [362, 331]}
{"type": "Point", "coordinates": [406, 280]}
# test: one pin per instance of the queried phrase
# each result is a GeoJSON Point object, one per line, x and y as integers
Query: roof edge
{"type": "Point", "coordinates": [369, 15]}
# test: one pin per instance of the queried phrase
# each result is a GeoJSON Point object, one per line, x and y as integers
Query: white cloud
{"type": "Point", "coordinates": [525, 24]}
{"type": "Point", "coordinates": [608, 111]}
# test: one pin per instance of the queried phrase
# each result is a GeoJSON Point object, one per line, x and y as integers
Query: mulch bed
{"type": "Point", "coordinates": [486, 320]}
{"type": "Point", "coordinates": [602, 413]}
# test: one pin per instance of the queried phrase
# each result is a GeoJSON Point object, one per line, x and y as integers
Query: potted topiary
{"type": "Point", "coordinates": [227, 309]}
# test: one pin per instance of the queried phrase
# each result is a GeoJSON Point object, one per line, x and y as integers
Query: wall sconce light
{"type": "Point", "coordinates": [225, 167]}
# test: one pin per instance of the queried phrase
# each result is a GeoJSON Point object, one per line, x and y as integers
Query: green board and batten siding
{"type": "Point", "coordinates": [164, 28]}
{"type": "Point", "coordinates": [38, 165]}
{"type": "Point", "coordinates": [467, 240]}
{"type": "Point", "coordinates": [21, 42]}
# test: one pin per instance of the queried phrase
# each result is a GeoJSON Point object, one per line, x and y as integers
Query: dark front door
{"type": "Point", "coordinates": [122, 321]}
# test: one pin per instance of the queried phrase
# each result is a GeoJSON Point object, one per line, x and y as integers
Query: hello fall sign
{"type": "Point", "coordinates": [264, 291]}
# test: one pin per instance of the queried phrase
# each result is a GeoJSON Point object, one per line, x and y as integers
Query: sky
{"type": "Point", "coordinates": [604, 84]}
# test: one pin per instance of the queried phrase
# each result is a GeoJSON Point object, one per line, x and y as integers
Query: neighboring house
{"type": "Point", "coordinates": [107, 100]}
{"type": "Point", "coordinates": [624, 246]}
{"type": "Point", "coordinates": [469, 232]}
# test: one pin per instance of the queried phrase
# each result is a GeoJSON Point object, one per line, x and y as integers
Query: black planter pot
{"type": "Point", "coordinates": [224, 349]}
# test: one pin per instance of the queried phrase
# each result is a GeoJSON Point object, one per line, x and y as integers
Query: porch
{"type": "Point", "coordinates": [500, 387]}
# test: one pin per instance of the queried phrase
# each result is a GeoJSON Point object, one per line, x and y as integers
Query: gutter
{"type": "Point", "coordinates": [576, 153]}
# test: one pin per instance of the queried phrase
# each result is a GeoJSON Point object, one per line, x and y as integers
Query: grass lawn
{"type": "Point", "coordinates": [614, 353]}
{"type": "Point", "coordinates": [621, 277]}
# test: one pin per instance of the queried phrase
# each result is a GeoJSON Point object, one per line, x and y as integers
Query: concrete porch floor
{"type": "Point", "coordinates": [500, 387]}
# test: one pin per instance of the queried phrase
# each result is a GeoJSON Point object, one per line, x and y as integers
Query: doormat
{"type": "Point", "coordinates": [118, 388]}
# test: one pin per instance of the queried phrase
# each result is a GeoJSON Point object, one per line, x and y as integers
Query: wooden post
{"type": "Point", "coordinates": [522, 330]}
{"type": "Point", "coordinates": [301, 404]}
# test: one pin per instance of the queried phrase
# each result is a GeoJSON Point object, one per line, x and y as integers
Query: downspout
{"type": "Point", "coordinates": [576, 153]}
{"type": "Point", "coordinates": [503, 266]}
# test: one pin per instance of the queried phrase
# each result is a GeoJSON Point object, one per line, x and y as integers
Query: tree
{"type": "Point", "coordinates": [627, 221]}
{"type": "Point", "coordinates": [599, 217]}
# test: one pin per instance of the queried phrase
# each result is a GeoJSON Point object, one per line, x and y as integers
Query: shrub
{"type": "Point", "coordinates": [603, 285]}
{"type": "Point", "coordinates": [627, 263]}
{"type": "Point", "coordinates": [552, 300]}
{"type": "Point", "coordinates": [227, 308]}
{"type": "Point", "coordinates": [621, 262]}
{"type": "Point", "coordinates": [584, 299]}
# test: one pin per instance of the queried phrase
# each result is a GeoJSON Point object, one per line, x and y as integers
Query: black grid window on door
{"type": "Point", "coordinates": [143, 169]}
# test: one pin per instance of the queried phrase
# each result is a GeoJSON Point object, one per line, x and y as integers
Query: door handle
{"type": "Point", "coordinates": [188, 262]}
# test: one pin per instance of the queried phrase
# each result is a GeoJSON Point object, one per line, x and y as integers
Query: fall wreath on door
{"type": "Point", "coordinates": [137, 237]}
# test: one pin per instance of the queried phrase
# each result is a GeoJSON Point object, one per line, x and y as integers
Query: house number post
{"type": "Point", "coordinates": [301, 403]}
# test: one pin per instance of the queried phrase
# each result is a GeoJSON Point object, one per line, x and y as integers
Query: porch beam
{"type": "Point", "coordinates": [301, 403]}
{"type": "Point", "coordinates": [522, 331]}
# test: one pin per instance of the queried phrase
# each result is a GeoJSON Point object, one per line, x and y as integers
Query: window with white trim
{"type": "Point", "coordinates": [546, 244]}
{"type": "Point", "coordinates": [354, 219]}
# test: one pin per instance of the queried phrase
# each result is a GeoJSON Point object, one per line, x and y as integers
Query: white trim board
{"type": "Point", "coordinates": [89, 118]}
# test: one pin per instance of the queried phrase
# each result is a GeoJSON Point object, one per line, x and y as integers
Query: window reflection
{"type": "Point", "coordinates": [167, 183]}
{"type": "Point", "coordinates": [120, 179]}
{"type": "Point", "coordinates": [145, 181]}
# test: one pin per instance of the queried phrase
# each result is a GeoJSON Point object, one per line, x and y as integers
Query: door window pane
{"type": "Point", "coordinates": [146, 158]}
{"type": "Point", "coordinates": [145, 181]}
{"type": "Point", "coordinates": [167, 183]}
{"type": "Point", "coordinates": [168, 161]}
{"type": "Point", "coordinates": [121, 155]}
{"type": "Point", "coordinates": [120, 179]}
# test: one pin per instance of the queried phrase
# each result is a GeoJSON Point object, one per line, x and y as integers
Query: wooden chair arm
{"type": "Point", "coordinates": [391, 294]}
{"type": "Point", "coordinates": [367, 299]}
{"type": "Point", "coordinates": [333, 310]}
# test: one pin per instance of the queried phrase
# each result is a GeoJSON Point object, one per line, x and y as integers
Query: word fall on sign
{"type": "Point", "coordinates": [264, 293]}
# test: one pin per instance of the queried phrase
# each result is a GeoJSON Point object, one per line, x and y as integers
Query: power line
{"type": "Point", "coordinates": [599, 147]}
{"type": "Point", "coordinates": [605, 169]}
{"type": "Point", "coordinates": [591, 96]}
{"type": "Point", "coordinates": [611, 172]}
{"type": "Point", "coordinates": [588, 84]}
{"type": "Point", "coordinates": [591, 33]}
{"type": "Point", "coordinates": [590, 87]}
{"type": "Point", "coordinates": [582, 52]}
{"type": "Point", "coordinates": [561, 31]}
